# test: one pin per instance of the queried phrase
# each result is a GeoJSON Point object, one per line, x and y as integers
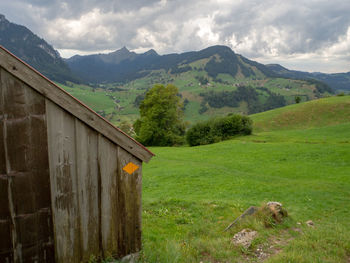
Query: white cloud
{"type": "Point", "coordinates": [315, 34]}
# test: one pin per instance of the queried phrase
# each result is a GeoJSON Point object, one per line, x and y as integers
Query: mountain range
{"type": "Point", "coordinates": [338, 81]}
{"type": "Point", "coordinates": [212, 81]}
{"type": "Point", "coordinates": [123, 65]}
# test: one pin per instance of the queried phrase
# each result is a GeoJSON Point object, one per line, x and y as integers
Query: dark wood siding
{"type": "Point", "coordinates": [108, 165]}
{"type": "Point", "coordinates": [6, 251]}
{"type": "Point", "coordinates": [64, 192]}
{"type": "Point", "coordinates": [88, 189]}
{"type": "Point", "coordinates": [96, 204]}
{"type": "Point", "coordinates": [25, 186]}
{"type": "Point", "coordinates": [63, 170]}
{"type": "Point", "coordinates": [129, 196]}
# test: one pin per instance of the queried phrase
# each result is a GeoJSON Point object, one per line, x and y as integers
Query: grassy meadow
{"type": "Point", "coordinates": [298, 155]}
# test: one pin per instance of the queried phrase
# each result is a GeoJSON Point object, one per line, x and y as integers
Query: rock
{"type": "Point", "coordinates": [250, 211]}
{"type": "Point", "coordinates": [131, 258]}
{"type": "Point", "coordinates": [273, 203]}
{"type": "Point", "coordinates": [309, 223]}
{"type": "Point", "coordinates": [244, 238]}
{"type": "Point", "coordinates": [261, 254]}
{"type": "Point", "coordinates": [274, 206]}
{"type": "Point", "coordinates": [272, 212]}
{"type": "Point", "coordinates": [277, 211]}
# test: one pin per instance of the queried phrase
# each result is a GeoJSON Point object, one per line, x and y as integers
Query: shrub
{"type": "Point", "coordinates": [218, 129]}
{"type": "Point", "coordinates": [199, 134]}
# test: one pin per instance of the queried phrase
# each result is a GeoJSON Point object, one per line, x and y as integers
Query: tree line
{"type": "Point", "coordinates": [219, 99]}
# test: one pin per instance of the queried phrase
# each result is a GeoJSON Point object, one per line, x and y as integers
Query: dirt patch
{"type": "Point", "coordinates": [271, 248]}
{"type": "Point", "coordinates": [244, 238]}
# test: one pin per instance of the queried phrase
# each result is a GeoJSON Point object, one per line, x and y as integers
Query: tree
{"type": "Point", "coordinates": [297, 99]}
{"type": "Point", "coordinates": [161, 117]}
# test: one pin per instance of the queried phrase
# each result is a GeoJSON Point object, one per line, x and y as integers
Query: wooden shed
{"type": "Point", "coordinates": [70, 182]}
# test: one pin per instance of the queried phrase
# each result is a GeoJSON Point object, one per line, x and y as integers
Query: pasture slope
{"type": "Point", "coordinates": [298, 155]}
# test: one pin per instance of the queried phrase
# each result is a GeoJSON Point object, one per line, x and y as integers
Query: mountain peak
{"type": "Point", "coordinates": [151, 52]}
{"type": "Point", "coordinates": [117, 56]}
{"type": "Point", "coordinates": [35, 51]}
{"type": "Point", "coordinates": [3, 20]}
{"type": "Point", "coordinates": [124, 49]}
{"type": "Point", "coordinates": [220, 48]}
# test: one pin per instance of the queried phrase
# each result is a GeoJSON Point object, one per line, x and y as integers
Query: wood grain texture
{"type": "Point", "coordinates": [64, 190]}
{"type": "Point", "coordinates": [108, 165]}
{"type": "Point", "coordinates": [96, 205]}
{"type": "Point", "coordinates": [87, 186]}
{"type": "Point", "coordinates": [70, 104]}
{"type": "Point", "coordinates": [24, 150]}
{"type": "Point", "coordinates": [64, 195]}
{"type": "Point", "coordinates": [129, 203]}
{"type": "Point", "coordinates": [6, 248]}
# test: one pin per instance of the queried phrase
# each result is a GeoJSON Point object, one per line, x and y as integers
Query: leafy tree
{"type": "Point", "coordinates": [297, 99]}
{"type": "Point", "coordinates": [161, 121]}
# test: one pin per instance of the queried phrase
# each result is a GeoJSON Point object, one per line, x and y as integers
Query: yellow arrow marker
{"type": "Point", "coordinates": [130, 168]}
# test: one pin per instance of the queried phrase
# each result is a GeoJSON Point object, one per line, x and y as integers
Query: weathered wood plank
{"type": "Point", "coordinates": [60, 97]}
{"type": "Point", "coordinates": [64, 195]}
{"type": "Point", "coordinates": [129, 203]}
{"type": "Point", "coordinates": [28, 191]}
{"type": "Point", "coordinates": [2, 139]}
{"type": "Point", "coordinates": [88, 183]}
{"type": "Point", "coordinates": [6, 250]}
{"type": "Point", "coordinates": [108, 165]}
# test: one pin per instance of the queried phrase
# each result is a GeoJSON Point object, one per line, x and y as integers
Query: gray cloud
{"type": "Point", "coordinates": [311, 31]}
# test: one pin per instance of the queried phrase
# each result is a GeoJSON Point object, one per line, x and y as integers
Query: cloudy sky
{"type": "Point", "coordinates": [309, 35]}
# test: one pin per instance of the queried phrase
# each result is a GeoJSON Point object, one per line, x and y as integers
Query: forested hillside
{"type": "Point", "coordinates": [34, 50]}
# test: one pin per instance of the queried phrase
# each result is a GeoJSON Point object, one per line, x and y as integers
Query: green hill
{"type": "Point", "coordinates": [190, 194]}
{"type": "Point", "coordinates": [203, 96]}
{"type": "Point", "coordinates": [213, 81]}
{"type": "Point", "coordinates": [316, 113]}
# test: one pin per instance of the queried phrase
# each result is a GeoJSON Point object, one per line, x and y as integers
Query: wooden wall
{"type": "Point", "coordinates": [63, 191]}
{"type": "Point", "coordinates": [96, 204]}
{"type": "Point", "coordinates": [25, 206]}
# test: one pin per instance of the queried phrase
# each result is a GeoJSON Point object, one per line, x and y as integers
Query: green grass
{"type": "Point", "coordinates": [190, 194]}
{"type": "Point", "coordinates": [316, 113]}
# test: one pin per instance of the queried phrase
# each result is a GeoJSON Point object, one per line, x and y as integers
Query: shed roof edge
{"type": "Point", "coordinates": [123, 139]}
